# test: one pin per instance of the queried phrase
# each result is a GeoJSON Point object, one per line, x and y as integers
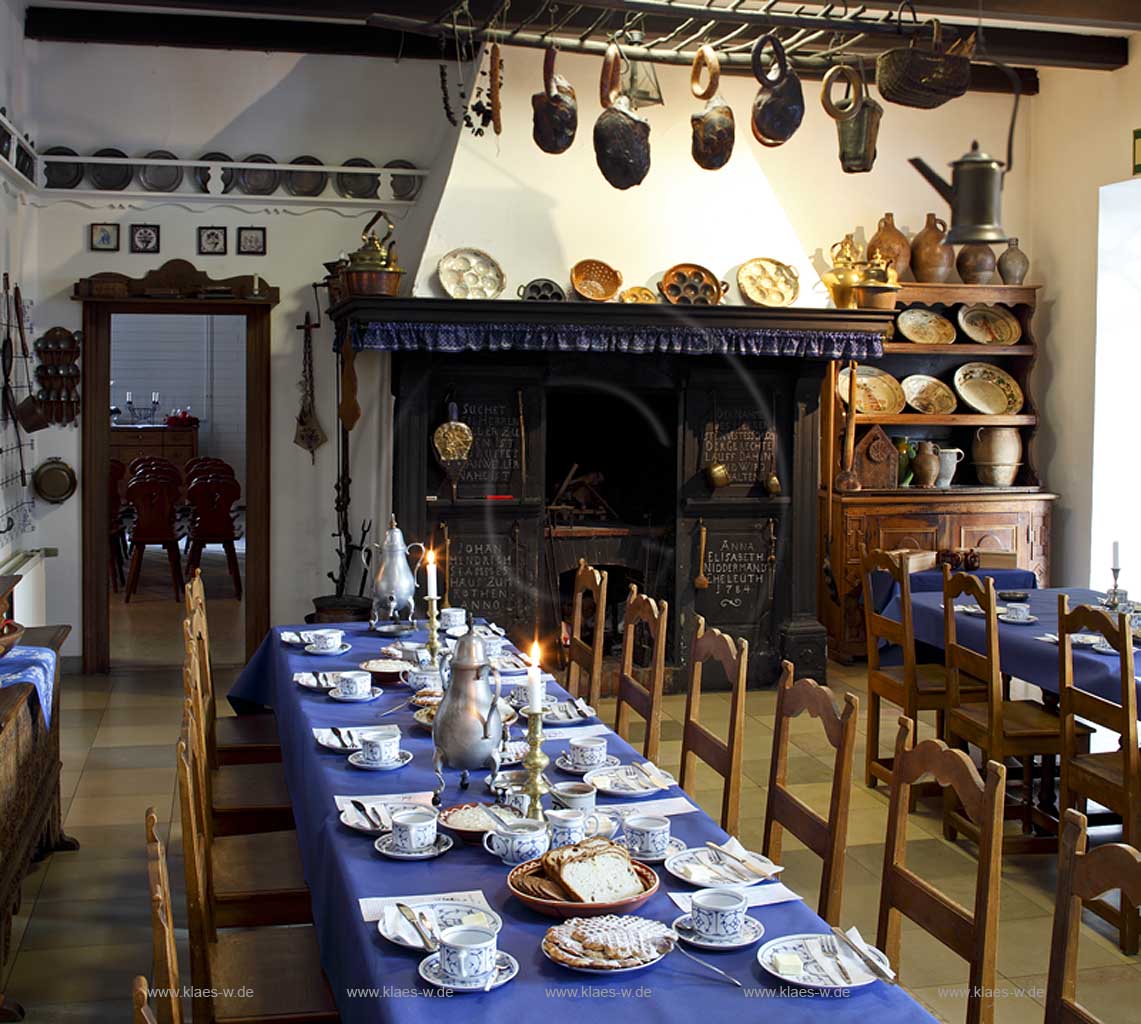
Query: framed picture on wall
{"type": "Point", "coordinates": [251, 242]}
{"type": "Point", "coordinates": [212, 241]}
{"type": "Point", "coordinates": [104, 237]}
{"type": "Point", "coordinates": [144, 238]}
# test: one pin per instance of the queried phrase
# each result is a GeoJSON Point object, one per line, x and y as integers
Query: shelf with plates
{"type": "Point", "coordinates": [954, 419]}
{"type": "Point", "coordinates": [967, 348]}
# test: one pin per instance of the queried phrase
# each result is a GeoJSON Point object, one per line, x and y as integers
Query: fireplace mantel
{"type": "Point", "coordinates": [452, 326]}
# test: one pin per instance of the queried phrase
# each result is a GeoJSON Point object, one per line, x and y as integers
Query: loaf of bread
{"type": "Point", "coordinates": [595, 870]}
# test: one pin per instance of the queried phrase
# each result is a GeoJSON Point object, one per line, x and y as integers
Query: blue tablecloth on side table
{"type": "Point", "coordinates": [341, 867]}
{"type": "Point", "coordinates": [35, 665]}
{"type": "Point", "coordinates": [1021, 653]}
{"type": "Point", "coordinates": [884, 589]}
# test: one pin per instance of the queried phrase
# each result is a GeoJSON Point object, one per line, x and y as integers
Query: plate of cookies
{"type": "Point", "coordinates": [587, 879]}
{"type": "Point", "coordinates": [608, 944]}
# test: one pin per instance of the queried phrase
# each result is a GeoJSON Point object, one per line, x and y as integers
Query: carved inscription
{"type": "Point", "coordinates": [737, 567]}
{"type": "Point", "coordinates": [742, 442]}
{"type": "Point", "coordinates": [482, 576]}
{"type": "Point", "coordinates": [494, 459]}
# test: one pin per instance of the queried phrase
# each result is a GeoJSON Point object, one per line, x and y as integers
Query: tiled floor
{"type": "Point", "coordinates": [84, 932]}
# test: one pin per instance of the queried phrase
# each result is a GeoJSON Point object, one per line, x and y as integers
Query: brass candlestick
{"type": "Point", "coordinates": [433, 630]}
{"type": "Point", "coordinates": [536, 764]}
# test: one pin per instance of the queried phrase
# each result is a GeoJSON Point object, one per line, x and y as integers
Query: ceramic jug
{"type": "Point", "coordinates": [621, 137]}
{"type": "Point", "coordinates": [976, 263]}
{"type": "Point", "coordinates": [949, 459]}
{"type": "Point", "coordinates": [555, 110]}
{"type": "Point", "coordinates": [714, 128]}
{"type": "Point", "coordinates": [906, 451]}
{"type": "Point", "coordinates": [394, 583]}
{"type": "Point", "coordinates": [926, 464]}
{"type": "Point", "coordinates": [932, 259]}
{"type": "Point", "coordinates": [1013, 264]}
{"type": "Point", "coordinates": [997, 446]}
{"type": "Point", "coordinates": [891, 243]}
{"type": "Point", "coordinates": [778, 107]}
{"type": "Point", "coordinates": [846, 272]}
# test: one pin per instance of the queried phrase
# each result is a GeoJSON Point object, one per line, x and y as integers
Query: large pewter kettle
{"type": "Point", "coordinates": [467, 729]}
{"type": "Point", "coordinates": [394, 583]}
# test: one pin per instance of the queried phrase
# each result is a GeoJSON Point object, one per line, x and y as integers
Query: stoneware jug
{"type": "Point", "coordinates": [925, 465]}
{"type": "Point", "coordinates": [778, 107]}
{"type": "Point", "coordinates": [621, 137]}
{"type": "Point", "coordinates": [997, 445]}
{"type": "Point", "coordinates": [1013, 264]}
{"type": "Point", "coordinates": [932, 259]}
{"type": "Point", "coordinates": [890, 243]}
{"type": "Point", "coordinates": [949, 459]}
{"type": "Point", "coordinates": [555, 110]}
{"type": "Point", "coordinates": [714, 129]}
{"type": "Point", "coordinates": [976, 263]}
{"type": "Point", "coordinates": [394, 583]}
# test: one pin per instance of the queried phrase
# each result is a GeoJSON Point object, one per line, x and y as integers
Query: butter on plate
{"type": "Point", "coordinates": [788, 964]}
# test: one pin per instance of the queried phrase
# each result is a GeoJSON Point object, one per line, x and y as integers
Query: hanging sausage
{"type": "Point", "coordinates": [555, 109]}
{"type": "Point", "coordinates": [714, 128]}
{"type": "Point", "coordinates": [621, 137]}
{"type": "Point", "coordinates": [779, 106]}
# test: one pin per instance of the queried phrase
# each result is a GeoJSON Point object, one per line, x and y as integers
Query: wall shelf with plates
{"type": "Point", "coordinates": [907, 348]}
{"type": "Point", "coordinates": [954, 419]}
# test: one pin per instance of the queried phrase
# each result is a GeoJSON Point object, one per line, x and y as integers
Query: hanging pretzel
{"type": "Point", "coordinates": [706, 59]}
{"type": "Point", "coordinates": [610, 85]}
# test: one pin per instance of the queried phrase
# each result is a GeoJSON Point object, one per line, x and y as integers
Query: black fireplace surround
{"type": "Point", "coordinates": [641, 398]}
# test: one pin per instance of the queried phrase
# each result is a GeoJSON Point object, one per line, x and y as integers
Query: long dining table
{"type": "Point", "coordinates": [374, 980]}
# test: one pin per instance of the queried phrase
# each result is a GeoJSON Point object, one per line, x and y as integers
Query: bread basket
{"type": "Point", "coordinates": [571, 908]}
{"type": "Point", "coordinates": [12, 633]}
{"type": "Point", "coordinates": [595, 281]}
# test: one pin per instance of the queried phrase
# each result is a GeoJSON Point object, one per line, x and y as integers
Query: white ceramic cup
{"type": "Point", "coordinates": [452, 617]}
{"type": "Point", "coordinates": [354, 684]}
{"type": "Point", "coordinates": [380, 746]}
{"type": "Point", "coordinates": [718, 913]}
{"type": "Point", "coordinates": [467, 954]}
{"type": "Point", "coordinates": [647, 835]}
{"type": "Point", "coordinates": [570, 826]}
{"type": "Point", "coordinates": [1018, 611]}
{"type": "Point", "coordinates": [574, 795]}
{"type": "Point", "coordinates": [588, 752]}
{"type": "Point", "coordinates": [324, 639]}
{"type": "Point", "coordinates": [524, 841]}
{"type": "Point", "coordinates": [413, 830]}
{"type": "Point", "coordinates": [421, 679]}
{"type": "Point", "coordinates": [513, 796]}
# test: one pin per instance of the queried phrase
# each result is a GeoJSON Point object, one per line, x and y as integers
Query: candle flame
{"type": "Point", "coordinates": [431, 556]}
{"type": "Point", "coordinates": [535, 653]}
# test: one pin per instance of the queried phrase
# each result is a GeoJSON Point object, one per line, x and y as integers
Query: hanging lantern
{"type": "Point", "coordinates": [639, 79]}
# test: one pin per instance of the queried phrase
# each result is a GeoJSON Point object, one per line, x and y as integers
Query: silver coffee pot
{"type": "Point", "coordinates": [394, 583]}
{"type": "Point", "coordinates": [467, 729]}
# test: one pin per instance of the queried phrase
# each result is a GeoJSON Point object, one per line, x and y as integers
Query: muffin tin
{"type": "Point", "coordinates": [767, 282]}
{"type": "Point", "coordinates": [689, 284]}
{"type": "Point", "coordinates": [542, 289]}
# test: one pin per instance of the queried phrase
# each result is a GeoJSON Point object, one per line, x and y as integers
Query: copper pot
{"type": "Point", "coordinates": [373, 282]}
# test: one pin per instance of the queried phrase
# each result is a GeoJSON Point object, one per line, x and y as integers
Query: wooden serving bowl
{"type": "Point", "coordinates": [569, 908]}
{"type": "Point", "coordinates": [11, 636]}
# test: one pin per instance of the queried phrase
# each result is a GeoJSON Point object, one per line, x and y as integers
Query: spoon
{"type": "Point", "coordinates": [416, 920]}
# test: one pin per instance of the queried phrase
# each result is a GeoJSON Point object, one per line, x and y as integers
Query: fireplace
{"type": "Point", "coordinates": [593, 427]}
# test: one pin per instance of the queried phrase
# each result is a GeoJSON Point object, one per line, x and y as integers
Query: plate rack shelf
{"type": "Point", "coordinates": [967, 514]}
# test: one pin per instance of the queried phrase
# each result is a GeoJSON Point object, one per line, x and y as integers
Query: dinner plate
{"type": "Point", "coordinates": [468, 273]}
{"type": "Point", "coordinates": [336, 651]}
{"type": "Point", "coordinates": [990, 325]}
{"type": "Point", "coordinates": [564, 764]}
{"type": "Point", "coordinates": [606, 970]}
{"type": "Point", "coordinates": [975, 610]}
{"type": "Point", "coordinates": [751, 931]}
{"type": "Point", "coordinates": [816, 975]}
{"type": "Point", "coordinates": [625, 780]}
{"type": "Point", "coordinates": [314, 681]}
{"type": "Point", "coordinates": [305, 183]}
{"type": "Point", "coordinates": [926, 327]}
{"type": "Point", "coordinates": [441, 846]}
{"type": "Point", "coordinates": [506, 968]}
{"type": "Point", "coordinates": [444, 914]}
{"type": "Point", "coordinates": [357, 761]}
{"type": "Point", "coordinates": [160, 177]}
{"type": "Point", "coordinates": [876, 391]}
{"type": "Point", "coordinates": [560, 715]}
{"type": "Point", "coordinates": [362, 698]}
{"type": "Point", "coordinates": [473, 832]}
{"type": "Point", "coordinates": [928, 395]}
{"type": "Point", "coordinates": [988, 389]}
{"type": "Point", "coordinates": [513, 752]}
{"type": "Point", "coordinates": [394, 628]}
{"type": "Point", "coordinates": [735, 877]}
{"type": "Point", "coordinates": [426, 716]}
{"type": "Point", "coordinates": [509, 664]}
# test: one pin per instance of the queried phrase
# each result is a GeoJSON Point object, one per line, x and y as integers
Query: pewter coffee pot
{"type": "Point", "coordinates": [467, 728]}
{"type": "Point", "coordinates": [394, 584]}
{"type": "Point", "coordinates": [975, 195]}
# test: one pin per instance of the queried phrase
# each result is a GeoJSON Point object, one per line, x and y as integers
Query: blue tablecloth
{"type": "Point", "coordinates": [1023, 655]}
{"type": "Point", "coordinates": [885, 590]}
{"type": "Point", "coordinates": [341, 867]}
{"type": "Point", "coordinates": [35, 665]}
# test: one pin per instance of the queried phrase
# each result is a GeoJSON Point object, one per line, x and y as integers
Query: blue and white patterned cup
{"type": "Point", "coordinates": [414, 831]}
{"type": "Point", "coordinates": [467, 954]}
{"type": "Point", "coordinates": [381, 746]}
{"type": "Point", "coordinates": [421, 679]}
{"type": "Point", "coordinates": [588, 752]}
{"type": "Point", "coordinates": [718, 914]}
{"type": "Point", "coordinates": [570, 826]}
{"type": "Point", "coordinates": [525, 841]}
{"type": "Point", "coordinates": [450, 618]}
{"type": "Point", "coordinates": [353, 684]}
{"type": "Point", "coordinates": [323, 639]}
{"type": "Point", "coordinates": [647, 835]}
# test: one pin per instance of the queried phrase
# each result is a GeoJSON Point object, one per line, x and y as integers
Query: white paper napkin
{"type": "Point", "coordinates": [666, 807]}
{"type": "Point", "coordinates": [372, 907]}
{"type": "Point", "coordinates": [857, 939]}
{"type": "Point", "coordinates": [345, 803]}
{"type": "Point", "coordinates": [758, 896]}
{"type": "Point", "coordinates": [326, 737]}
{"type": "Point", "coordinates": [706, 868]}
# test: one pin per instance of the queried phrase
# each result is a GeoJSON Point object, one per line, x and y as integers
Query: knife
{"type": "Point", "coordinates": [375, 820]}
{"type": "Point", "coordinates": [582, 708]}
{"type": "Point", "coordinates": [409, 915]}
{"type": "Point", "coordinates": [870, 962]}
{"type": "Point", "coordinates": [656, 783]}
{"type": "Point", "coordinates": [740, 860]}
{"type": "Point", "coordinates": [340, 739]}
{"type": "Point", "coordinates": [395, 708]}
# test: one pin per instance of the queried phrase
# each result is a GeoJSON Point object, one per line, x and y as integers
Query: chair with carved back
{"type": "Point", "coordinates": [972, 934]}
{"type": "Point", "coordinates": [697, 741]}
{"type": "Point", "coordinates": [206, 465]}
{"type": "Point", "coordinates": [251, 880]}
{"type": "Point", "coordinates": [912, 686]}
{"type": "Point", "coordinates": [252, 975]}
{"type": "Point", "coordinates": [585, 660]}
{"type": "Point", "coordinates": [826, 837]}
{"type": "Point", "coordinates": [164, 957]}
{"type": "Point", "coordinates": [212, 499]}
{"type": "Point", "coordinates": [116, 477]}
{"type": "Point", "coordinates": [141, 1012]}
{"type": "Point", "coordinates": [644, 698]}
{"type": "Point", "coordinates": [230, 739]}
{"type": "Point", "coordinates": [1083, 878]}
{"type": "Point", "coordinates": [241, 798]}
{"type": "Point", "coordinates": [1000, 728]}
{"type": "Point", "coordinates": [1111, 778]}
{"type": "Point", "coordinates": [154, 498]}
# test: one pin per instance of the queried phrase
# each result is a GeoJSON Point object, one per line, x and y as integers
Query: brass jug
{"type": "Point", "coordinates": [846, 273]}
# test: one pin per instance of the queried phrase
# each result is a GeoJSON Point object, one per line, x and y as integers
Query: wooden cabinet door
{"type": "Point", "coordinates": [891, 533]}
{"type": "Point", "coordinates": [992, 531]}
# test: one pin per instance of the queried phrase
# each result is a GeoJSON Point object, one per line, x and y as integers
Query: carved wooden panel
{"type": "Point", "coordinates": [991, 531]}
{"type": "Point", "coordinates": [892, 532]}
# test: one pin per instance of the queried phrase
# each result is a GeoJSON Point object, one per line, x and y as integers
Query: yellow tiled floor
{"type": "Point", "coordinates": [83, 931]}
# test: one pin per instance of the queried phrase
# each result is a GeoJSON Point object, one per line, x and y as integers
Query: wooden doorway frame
{"type": "Point", "coordinates": [177, 287]}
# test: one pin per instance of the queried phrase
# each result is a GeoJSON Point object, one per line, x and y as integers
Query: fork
{"type": "Point", "coordinates": [828, 948]}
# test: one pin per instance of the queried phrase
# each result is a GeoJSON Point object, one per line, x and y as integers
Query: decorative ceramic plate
{"type": "Point", "coordinates": [768, 282]}
{"type": "Point", "coordinates": [445, 914]}
{"type": "Point", "coordinates": [638, 293]}
{"type": "Point", "coordinates": [305, 183]}
{"type": "Point", "coordinates": [926, 327]}
{"type": "Point", "coordinates": [988, 389]}
{"type": "Point", "coordinates": [819, 971]}
{"type": "Point", "coordinates": [625, 780]}
{"type": "Point", "coordinates": [62, 175]}
{"type": "Point", "coordinates": [928, 395]}
{"type": "Point", "coordinates": [404, 186]}
{"type": "Point", "coordinates": [572, 908]}
{"type": "Point", "coordinates": [470, 274]}
{"type": "Point", "coordinates": [990, 325]}
{"type": "Point", "coordinates": [751, 931]}
{"type": "Point", "coordinates": [506, 968]}
{"type": "Point", "coordinates": [720, 873]}
{"type": "Point", "coordinates": [110, 177]}
{"type": "Point", "coordinates": [876, 391]}
{"type": "Point", "coordinates": [690, 284]}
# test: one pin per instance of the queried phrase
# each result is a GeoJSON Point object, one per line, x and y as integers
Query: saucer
{"type": "Point", "coordinates": [336, 651]}
{"type": "Point", "coordinates": [394, 628]}
{"type": "Point", "coordinates": [442, 845]}
{"type": "Point", "coordinates": [674, 846]}
{"type": "Point", "coordinates": [563, 763]}
{"type": "Point", "coordinates": [751, 932]}
{"type": "Point", "coordinates": [1018, 622]}
{"type": "Point", "coordinates": [363, 698]}
{"type": "Point", "coordinates": [506, 967]}
{"type": "Point", "coordinates": [357, 761]}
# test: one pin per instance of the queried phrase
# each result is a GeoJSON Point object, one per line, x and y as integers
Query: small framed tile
{"type": "Point", "coordinates": [251, 241]}
{"type": "Point", "coordinates": [212, 241]}
{"type": "Point", "coordinates": [103, 237]}
{"type": "Point", "coordinates": [144, 238]}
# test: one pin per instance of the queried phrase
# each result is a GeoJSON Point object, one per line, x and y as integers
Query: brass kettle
{"type": "Point", "coordinates": [846, 273]}
{"type": "Point", "coordinates": [373, 269]}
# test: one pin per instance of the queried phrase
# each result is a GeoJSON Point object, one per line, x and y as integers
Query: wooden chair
{"type": "Point", "coordinates": [1082, 879]}
{"type": "Point", "coordinates": [723, 756]}
{"type": "Point", "coordinates": [972, 935]}
{"type": "Point", "coordinates": [116, 475]}
{"type": "Point", "coordinates": [154, 499]}
{"type": "Point", "coordinates": [212, 499]}
{"type": "Point", "coordinates": [1001, 729]}
{"type": "Point", "coordinates": [230, 739]}
{"type": "Point", "coordinates": [149, 463]}
{"type": "Point", "coordinates": [141, 1011]}
{"type": "Point", "coordinates": [205, 465]}
{"type": "Point", "coordinates": [277, 970]}
{"type": "Point", "coordinates": [242, 798]}
{"type": "Point", "coordinates": [645, 699]}
{"type": "Point", "coordinates": [587, 658]}
{"type": "Point", "coordinates": [912, 687]}
{"type": "Point", "coordinates": [1111, 778]}
{"type": "Point", "coordinates": [826, 837]}
{"type": "Point", "coordinates": [252, 879]}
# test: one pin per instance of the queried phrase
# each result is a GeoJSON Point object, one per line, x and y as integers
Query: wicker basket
{"type": "Point", "coordinates": [914, 77]}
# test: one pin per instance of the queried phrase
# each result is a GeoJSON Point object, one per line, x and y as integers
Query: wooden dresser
{"type": "Point", "coordinates": [132, 441]}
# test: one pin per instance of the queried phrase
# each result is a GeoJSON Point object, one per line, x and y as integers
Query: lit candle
{"type": "Point", "coordinates": [432, 573]}
{"type": "Point", "coordinates": [536, 690]}
{"type": "Point", "coordinates": [130, 398]}
{"type": "Point", "coordinates": [1116, 556]}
